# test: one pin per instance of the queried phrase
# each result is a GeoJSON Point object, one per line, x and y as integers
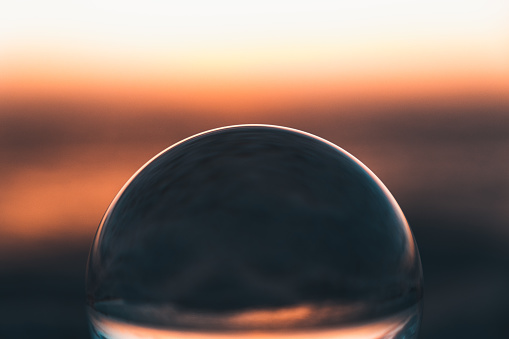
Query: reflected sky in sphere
{"type": "Point", "coordinates": [253, 227]}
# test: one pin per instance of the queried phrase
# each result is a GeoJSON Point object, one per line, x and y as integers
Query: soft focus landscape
{"type": "Point", "coordinates": [419, 95]}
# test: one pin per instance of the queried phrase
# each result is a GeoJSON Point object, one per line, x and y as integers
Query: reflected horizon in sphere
{"type": "Point", "coordinates": [254, 231]}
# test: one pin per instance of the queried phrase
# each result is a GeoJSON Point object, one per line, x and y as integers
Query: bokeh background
{"type": "Point", "coordinates": [417, 90]}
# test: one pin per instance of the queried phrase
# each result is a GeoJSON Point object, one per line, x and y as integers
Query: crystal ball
{"type": "Point", "coordinates": [254, 229]}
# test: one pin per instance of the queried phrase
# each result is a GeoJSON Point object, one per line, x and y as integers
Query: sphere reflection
{"type": "Point", "coordinates": [254, 228]}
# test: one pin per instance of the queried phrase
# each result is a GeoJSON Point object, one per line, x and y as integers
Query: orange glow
{"type": "Point", "coordinates": [375, 329]}
{"type": "Point", "coordinates": [235, 94]}
{"type": "Point", "coordinates": [371, 331]}
{"type": "Point", "coordinates": [226, 62]}
{"type": "Point", "coordinates": [64, 198]}
{"type": "Point", "coordinates": [262, 80]}
{"type": "Point", "coordinates": [269, 55]}
{"type": "Point", "coordinates": [285, 317]}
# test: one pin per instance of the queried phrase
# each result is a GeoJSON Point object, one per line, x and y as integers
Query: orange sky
{"type": "Point", "coordinates": [223, 57]}
{"type": "Point", "coordinates": [232, 58]}
{"type": "Point", "coordinates": [285, 319]}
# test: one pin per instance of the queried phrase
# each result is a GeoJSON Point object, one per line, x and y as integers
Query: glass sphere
{"type": "Point", "coordinates": [254, 229]}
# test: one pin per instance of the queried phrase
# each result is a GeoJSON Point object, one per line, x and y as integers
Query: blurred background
{"type": "Point", "coordinates": [416, 90]}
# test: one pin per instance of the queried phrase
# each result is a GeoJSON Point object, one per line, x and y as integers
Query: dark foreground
{"type": "Point", "coordinates": [448, 170]}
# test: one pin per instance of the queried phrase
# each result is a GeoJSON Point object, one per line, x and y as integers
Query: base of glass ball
{"type": "Point", "coordinates": [290, 323]}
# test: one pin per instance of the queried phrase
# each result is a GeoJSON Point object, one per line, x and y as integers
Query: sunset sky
{"type": "Point", "coordinates": [221, 59]}
{"type": "Point", "coordinates": [237, 56]}
{"type": "Point", "coordinates": [417, 90]}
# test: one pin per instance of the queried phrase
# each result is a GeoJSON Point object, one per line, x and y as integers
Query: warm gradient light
{"type": "Point", "coordinates": [386, 327]}
{"type": "Point", "coordinates": [262, 56]}
{"type": "Point", "coordinates": [228, 55]}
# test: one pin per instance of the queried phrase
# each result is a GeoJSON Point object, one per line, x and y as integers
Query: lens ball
{"type": "Point", "coordinates": [254, 229]}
